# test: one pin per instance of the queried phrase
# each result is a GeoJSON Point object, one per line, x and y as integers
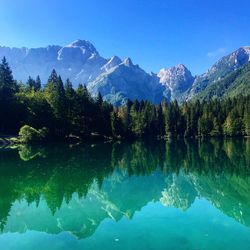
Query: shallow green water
{"type": "Point", "coordinates": [174, 195]}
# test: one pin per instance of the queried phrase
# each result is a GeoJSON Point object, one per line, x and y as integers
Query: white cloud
{"type": "Point", "coordinates": [216, 52]}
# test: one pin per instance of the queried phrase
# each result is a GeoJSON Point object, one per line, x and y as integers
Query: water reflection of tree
{"type": "Point", "coordinates": [138, 158]}
{"type": "Point", "coordinates": [56, 172]}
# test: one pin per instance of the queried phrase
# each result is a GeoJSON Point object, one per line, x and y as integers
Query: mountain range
{"type": "Point", "coordinates": [117, 79]}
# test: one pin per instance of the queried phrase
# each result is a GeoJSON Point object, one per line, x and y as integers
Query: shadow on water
{"type": "Point", "coordinates": [76, 188]}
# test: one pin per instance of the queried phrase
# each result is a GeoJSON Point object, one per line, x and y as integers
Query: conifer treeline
{"type": "Point", "coordinates": [65, 111]}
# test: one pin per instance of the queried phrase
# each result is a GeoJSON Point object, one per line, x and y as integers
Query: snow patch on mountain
{"type": "Point", "coordinates": [116, 79]}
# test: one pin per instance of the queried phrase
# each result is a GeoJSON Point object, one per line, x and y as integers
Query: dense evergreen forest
{"type": "Point", "coordinates": [57, 110]}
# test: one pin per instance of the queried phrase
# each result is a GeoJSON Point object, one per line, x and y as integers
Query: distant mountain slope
{"type": "Point", "coordinates": [117, 80]}
{"type": "Point", "coordinates": [219, 70]}
{"type": "Point", "coordinates": [78, 61]}
{"type": "Point", "coordinates": [233, 84]}
{"type": "Point", "coordinates": [176, 81]}
{"type": "Point", "coordinates": [127, 80]}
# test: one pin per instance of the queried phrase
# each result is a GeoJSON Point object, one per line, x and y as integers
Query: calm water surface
{"type": "Point", "coordinates": [158, 195]}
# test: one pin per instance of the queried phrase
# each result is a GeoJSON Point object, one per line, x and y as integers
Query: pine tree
{"type": "Point", "coordinates": [9, 110]}
{"type": "Point", "coordinates": [116, 124]}
{"type": "Point", "coordinates": [7, 83]}
{"type": "Point", "coordinates": [189, 123]}
{"type": "Point", "coordinates": [126, 118]}
{"type": "Point", "coordinates": [69, 91]}
{"type": "Point", "coordinates": [217, 130]}
{"type": "Point", "coordinates": [99, 99]}
{"type": "Point", "coordinates": [55, 94]}
{"type": "Point", "coordinates": [246, 121]}
{"type": "Point", "coordinates": [70, 97]}
{"type": "Point", "coordinates": [173, 120]}
{"type": "Point", "coordinates": [138, 119]}
{"type": "Point", "coordinates": [31, 83]}
{"type": "Point", "coordinates": [205, 124]}
{"type": "Point", "coordinates": [233, 124]}
{"type": "Point", "coordinates": [38, 84]}
{"type": "Point", "coordinates": [160, 121]}
{"type": "Point", "coordinates": [83, 115]}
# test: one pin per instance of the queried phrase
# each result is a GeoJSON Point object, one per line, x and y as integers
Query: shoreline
{"type": "Point", "coordinates": [7, 141]}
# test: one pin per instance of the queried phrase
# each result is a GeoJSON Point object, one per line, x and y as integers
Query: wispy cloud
{"type": "Point", "coordinates": [216, 52]}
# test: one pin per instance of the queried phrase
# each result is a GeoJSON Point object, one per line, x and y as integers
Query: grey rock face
{"type": "Point", "coordinates": [115, 79]}
{"type": "Point", "coordinates": [127, 80]}
{"type": "Point", "coordinates": [78, 61]}
{"type": "Point", "coordinates": [176, 80]}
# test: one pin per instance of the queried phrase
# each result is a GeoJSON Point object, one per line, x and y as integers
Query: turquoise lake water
{"type": "Point", "coordinates": [140, 195]}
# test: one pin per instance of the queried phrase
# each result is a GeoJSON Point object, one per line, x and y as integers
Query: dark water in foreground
{"type": "Point", "coordinates": [174, 195]}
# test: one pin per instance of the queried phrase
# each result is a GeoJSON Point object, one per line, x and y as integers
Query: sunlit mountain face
{"type": "Point", "coordinates": [119, 79]}
{"type": "Point", "coordinates": [176, 194]}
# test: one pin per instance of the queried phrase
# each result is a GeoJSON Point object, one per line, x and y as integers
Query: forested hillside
{"type": "Point", "coordinates": [58, 110]}
{"type": "Point", "coordinates": [233, 84]}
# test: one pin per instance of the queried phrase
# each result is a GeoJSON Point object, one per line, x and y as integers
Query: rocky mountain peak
{"type": "Point", "coordinates": [219, 70]}
{"type": "Point", "coordinates": [176, 80]}
{"type": "Point", "coordinates": [175, 75]}
{"type": "Point", "coordinates": [246, 48]}
{"type": "Point", "coordinates": [77, 50]}
{"type": "Point", "coordinates": [82, 44]}
{"type": "Point", "coordinates": [79, 43]}
{"type": "Point", "coordinates": [116, 79]}
{"type": "Point", "coordinates": [112, 62]}
{"type": "Point", "coordinates": [127, 62]}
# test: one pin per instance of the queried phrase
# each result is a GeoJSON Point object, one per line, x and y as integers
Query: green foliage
{"type": "Point", "coordinates": [233, 84]}
{"type": "Point", "coordinates": [7, 84]}
{"type": "Point", "coordinates": [34, 84]}
{"type": "Point", "coordinates": [68, 112]}
{"type": "Point", "coordinates": [138, 119]}
{"type": "Point", "coordinates": [174, 121]}
{"type": "Point", "coordinates": [9, 110]}
{"type": "Point", "coordinates": [55, 94]}
{"type": "Point", "coordinates": [36, 110]}
{"type": "Point", "coordinates": [28, 134]}
{"type": "Point", "coordinates": [116, 124]}
{"type": "Point", "coordinates": [233, 124]}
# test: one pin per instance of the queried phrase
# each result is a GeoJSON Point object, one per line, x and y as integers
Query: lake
{"type": "Point", "coordinates": [139, 195]}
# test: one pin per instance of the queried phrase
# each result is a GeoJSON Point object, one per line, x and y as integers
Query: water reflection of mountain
{"type": "Point", "coordinates": [59, 188]}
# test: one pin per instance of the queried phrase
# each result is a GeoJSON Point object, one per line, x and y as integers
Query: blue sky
{"type": "Point", "coordinates": [154, 33]}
